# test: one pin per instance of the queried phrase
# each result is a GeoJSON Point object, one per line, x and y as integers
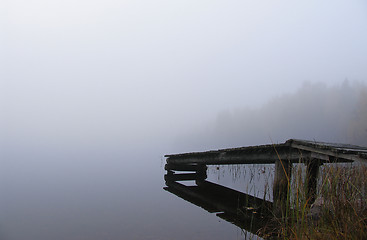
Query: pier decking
{"type": "Point", "coordinates": [292, 150]}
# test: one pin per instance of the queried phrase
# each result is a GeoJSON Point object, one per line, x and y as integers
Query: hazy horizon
{"type": "Point", "coordinates": [94, 93]}
{"type": "Point", "coordinates": [84, 72]}
{"type": "Point", "coordinates": [316, 111]}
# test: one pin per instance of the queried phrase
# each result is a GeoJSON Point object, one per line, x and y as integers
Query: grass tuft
{"type": "Point", "coordinates": [339, 211]}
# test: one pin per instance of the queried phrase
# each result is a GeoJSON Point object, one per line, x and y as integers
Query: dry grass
{"type": "Point", "coordinates": [341, 201]}
{"type": "Point", "coordinates": [341, 205]}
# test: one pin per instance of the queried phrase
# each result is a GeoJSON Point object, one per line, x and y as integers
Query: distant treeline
{"type": "Point", "coordinates": [314, 112]}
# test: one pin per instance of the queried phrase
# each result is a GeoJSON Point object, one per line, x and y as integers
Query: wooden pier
{"type": "Point", "coordinates": [312, 154]}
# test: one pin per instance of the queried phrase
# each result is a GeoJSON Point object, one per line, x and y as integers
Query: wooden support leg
{"type": "Point", "coordinates": [281, 186]}
{"type": "Point", "coordinates": [311, 179]}
{"type": "Point", "coordinates": [202, 175]}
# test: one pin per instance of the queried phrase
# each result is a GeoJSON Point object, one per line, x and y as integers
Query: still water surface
{"type": "Point", "coordinates": [50, 192]}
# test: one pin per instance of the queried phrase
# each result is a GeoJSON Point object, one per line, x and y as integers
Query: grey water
{"type": "Point", "coordinates": [82, 170]}
{"type": "Point", "coordinates": [69, 192]}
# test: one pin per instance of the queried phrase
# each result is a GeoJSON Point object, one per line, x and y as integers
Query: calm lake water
{"type": "Point", "coordinates": [101, 192]}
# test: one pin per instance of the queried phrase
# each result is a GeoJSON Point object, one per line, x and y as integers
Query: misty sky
{"type": "Point", "coordinates": [89, 71]}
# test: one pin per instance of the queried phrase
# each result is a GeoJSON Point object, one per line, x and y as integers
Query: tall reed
{"type": "Point", "coordinates": [340, 209]}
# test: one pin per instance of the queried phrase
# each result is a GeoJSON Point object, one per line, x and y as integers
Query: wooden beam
{"type": "Point", "coordinates": [224, 158]}
{"type": "Point", "coordinates": [185, 167]}
{"type": "Point", "coordinates": [337, 157]}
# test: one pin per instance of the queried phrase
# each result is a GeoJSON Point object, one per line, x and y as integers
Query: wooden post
{"type": "Point", "coordinates": [281, 186]}
{"type": "Point", "coordinates": [312, 173]}
{"type": "Point", "coordinates": [201, 172]}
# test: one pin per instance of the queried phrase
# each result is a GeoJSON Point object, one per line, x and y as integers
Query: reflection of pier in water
{"type": "Point", "coordinates": [246, 211]}
{"type": "Point", "coordinates": [243, 210]}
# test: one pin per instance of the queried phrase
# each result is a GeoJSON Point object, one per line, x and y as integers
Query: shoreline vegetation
{"type": "Point", "coordinates": [339, 211]}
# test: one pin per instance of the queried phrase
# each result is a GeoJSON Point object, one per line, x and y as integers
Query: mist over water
{"type": "Point", "coordinates": [93, 94]}
{"type": "Point", "coordinates": [87, 183]}
{"type": "Point", "coordinates": [87, 193]}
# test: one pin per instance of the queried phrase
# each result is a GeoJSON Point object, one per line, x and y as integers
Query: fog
{"type": "Point", "coordinates": [137, 71]}
{"type": "Point", "coordinates": [94, 93]}
{"type": "Point", "coordinates": [317, 112]}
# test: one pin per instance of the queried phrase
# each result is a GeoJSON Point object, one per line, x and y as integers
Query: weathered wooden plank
{"type": "Point", "coordinates": [336, 156]}
{"type": "Point", "coordinates": [238, 158]}
{"type": "Point", "coordinates": [185, 167]}
{"type": "Point", "coordinates": [327, 145]}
